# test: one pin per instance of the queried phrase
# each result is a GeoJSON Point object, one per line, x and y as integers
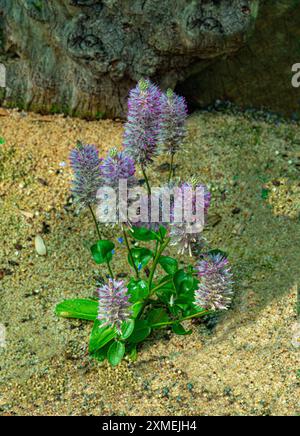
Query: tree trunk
{"type": "Point", "coordinates": [81, 57]}
{"type": "Point", "coordinates": [260, 74]}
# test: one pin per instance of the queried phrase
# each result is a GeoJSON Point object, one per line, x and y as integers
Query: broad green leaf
{"type": "Point", "coordinates": [143, 234]}
{"type": "Point", "coordinates": [101, 354]}
{"type": "Point", "coordinates": [184, 282]}
{"type": "Point", "coordinates": [141, 256]}
{"type": "Point", "coordinates": [78, 308]}
{"type": "Point", "coordinates": [167, 291]}
{"type": "Point", "coordinates": [156, 316]}
{"type": "Point", "coordinates": [180, 330]}
{"type": "Point", "coordinates": [169, 264]}
{"type": "Point", "coordinates": [162, 231]}
{"type": "Point", "coordinates": [100, 336]}
{"type": "Point", "coordinates": [136, 308]}
{"type": "Point", "coordinates": [116, 353]}
{"type": "Point", "coordinates": [141, 331]}
{"type": "Point", "coordinates": [175, 310]}
{"type": "Point", "coordinates": [132, 353]}
{"type": "Point", "coordinates": [127, 328]}
{"type": "Point", "coordinates": [138, 290]}
{"type": "Point", "coordinates": [185, 299]}
{"type": "Point", "coordinates": [102, 251]}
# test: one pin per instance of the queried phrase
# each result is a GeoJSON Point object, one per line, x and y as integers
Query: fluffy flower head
{"type": "Point", "coordinates": [142, 127]}
{"type": "Point", "coordinates": [85, 163]}
{"type": "Point", "coordinates": [186, 234]}
{"type": "Point", "coordinates": [172, 130]}
{"type": "Point", "coordinates": [215, 288]}
{"type": "Point", "coordinates": [116, 166]}
{"type": "Point", "coordinates": [114, 305]}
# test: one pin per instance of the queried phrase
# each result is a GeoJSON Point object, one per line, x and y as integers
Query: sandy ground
{"type": "Point", "coordinates": [245, 364]}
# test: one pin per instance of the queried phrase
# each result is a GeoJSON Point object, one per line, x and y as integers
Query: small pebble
{"type": "Point", "coordinates": [40, 246]}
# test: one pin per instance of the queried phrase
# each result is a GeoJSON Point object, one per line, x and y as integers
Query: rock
{"type": "Point", "coordinates": [238, 229]}
{"type": "Point", "coordinates": [26, 214]}
{"type": "Point", "coordinates": [102, 48]}
{"type": "Point", "coordinates": [260, 74]}
{"type": "Point", "coordinates": [40, 246]}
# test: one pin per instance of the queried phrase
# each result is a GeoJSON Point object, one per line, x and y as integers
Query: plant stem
{"type": "Point", "coordinates": [95, 221]}
{"type": "Point", "coordinates": [196, 315]}
{"type": "Point", "coordinates": [161, 285]}
{"type": "Point", "coordinates": [171, 167]}
{"type": "Point", "coordinates": [110, 270]}
{"type": "Point", "coordinates": [146, 179]}
{"type": "Point", "coordinates": [129, 252]}
{"type": "Point", "coordinates": [155, 262]}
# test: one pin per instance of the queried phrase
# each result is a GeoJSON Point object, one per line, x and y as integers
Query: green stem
{"type": "Point", "coordinates": [161, 285]}
{"type": "Point", "coordinates": [146, 179]}
{"type": "Point", "coordinates": [195, 315]}
{"type": "Point", "coordinates": [171, 167]}
{"type": "Point", "coordinates": [156, 258]}
{"type": "Point", "coordinates": [95, 221]}
{"type": "Point", "coordinates": [129, 252]}
{"type": "Point", "coordinates": [110, 270]}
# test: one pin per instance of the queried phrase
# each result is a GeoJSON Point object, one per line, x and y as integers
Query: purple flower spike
{"type": "Point", "coordinates": [172, 130]}
{"type": "Point", "coordinates": [142, 127]}
{"type": "Point", "coordinates": [114, 305]}
{"type": "Point", "coordinates": [186, 235]}
{"type": "Point", "coordinates": [117, 166]}
{"type": "Point", "coordinates": [215, 288]}
{"type": "Point", "coordinates": [85, 162]}
{"type": "Point", "coordinates": [194, 184]}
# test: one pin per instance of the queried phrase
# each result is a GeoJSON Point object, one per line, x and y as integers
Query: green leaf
{"type": "Point", "coordinates": [157, 316]}
{"type": "Point", "coordinates": [168, 280]}
{"type": "Point", "coordinates": [184, 282]}
{"type": "Point", "coordinates": [100, 336]}
{"type": "Point", "coordinates": [136, 308]}
{"type": "Point", "coordinates": [167, 290]}
{"type": "Point", "coordinates": [143, 234]}
{"type": "Point", "coordinates": [116, 353]}
{"type": "Point", "coordinates": [141, 331]}
{"type": "Point", "coordinates": [166, 284]}
{"type": "Point", "coordinates": [2, 141]}
{"type": "Point", "coordinates": [138, 290]}
{"type": "Point", "coordinates": [101, 354]}
{"type": "Point", "coordinates": [127, 328]}
{"type": "Point", "coordinates": [78, 308]}
{"type": "Point", "coordinates": [141, 256]}
{"type": "Point", "coordinates": [102, 251]}
{"type": "Point", "coordinates": [180, 330]}
{"type": "Point", "coordinates": [175, 310]}
{"type": "Point", "coordinates": [162, 231]}
{"type": "Point", "coordinates": [169, 264]}
{"type": "Point", "coordinates": [265, 193]}
{"type": "Point", "coordinates": [132, 353]}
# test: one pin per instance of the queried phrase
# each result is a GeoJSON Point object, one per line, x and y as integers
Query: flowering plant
{"type": "Point", "coordinates": [160, 293]}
